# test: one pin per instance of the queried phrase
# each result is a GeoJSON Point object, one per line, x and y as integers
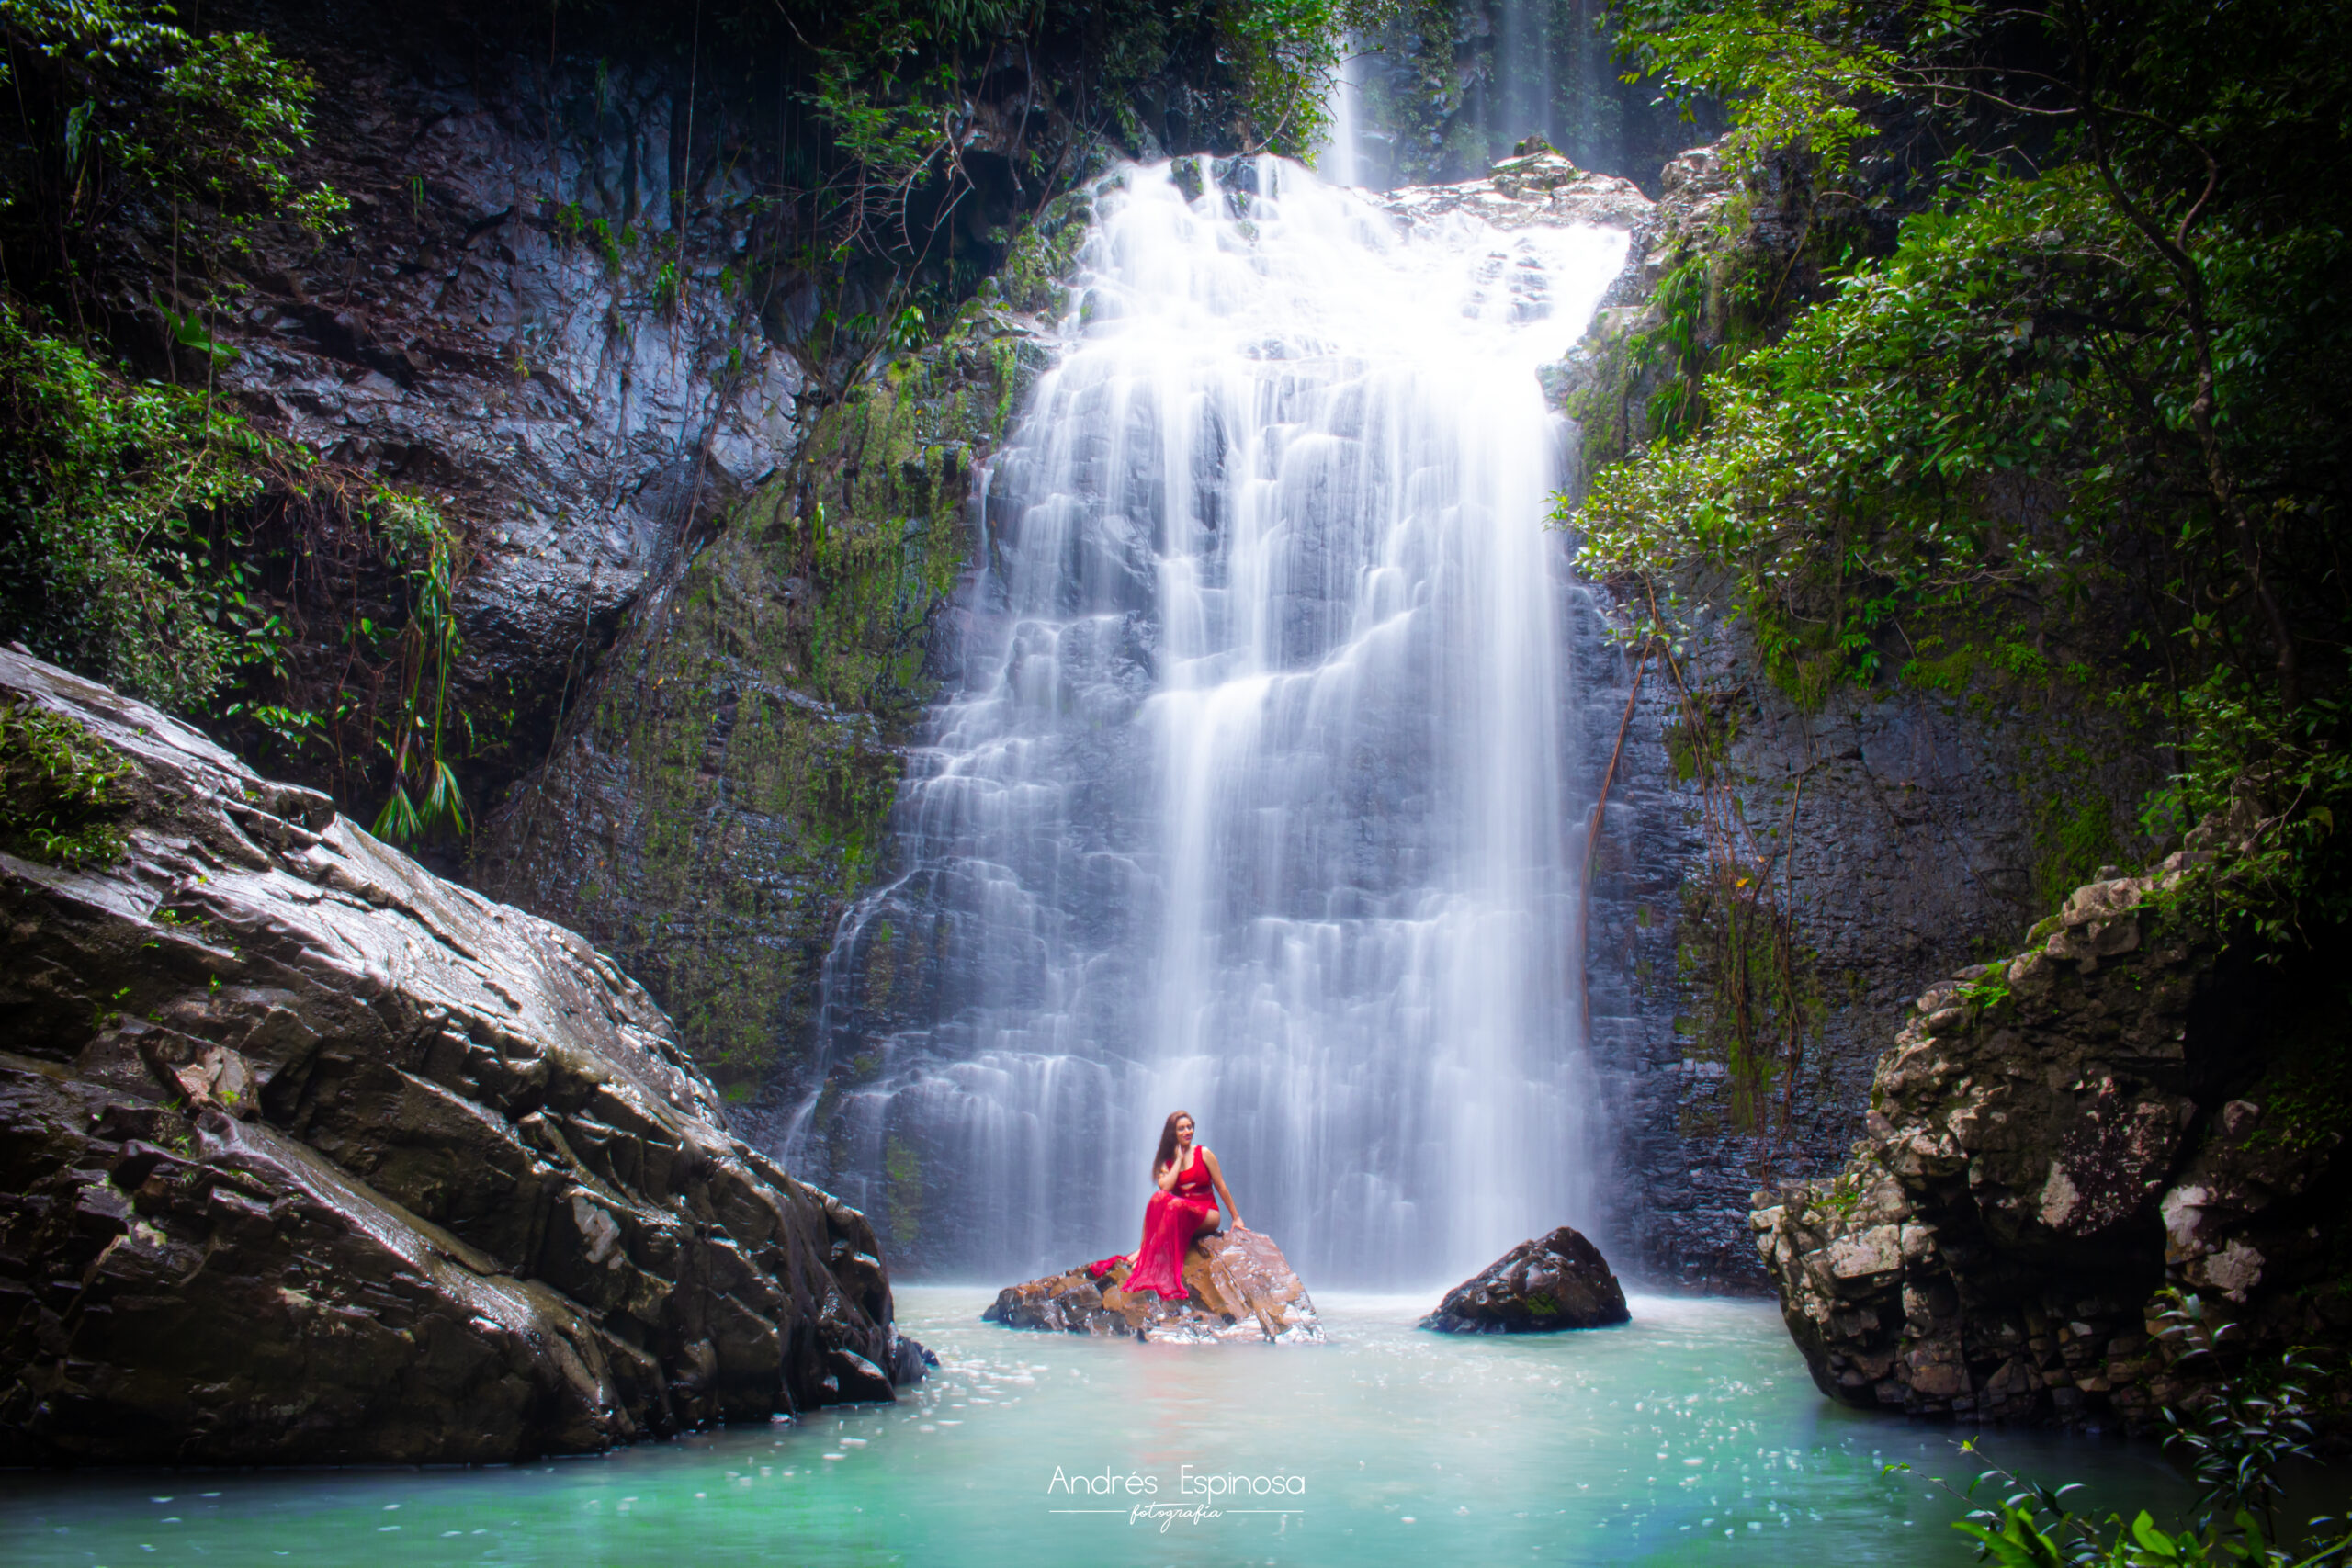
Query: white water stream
{"type": "Point", "coordinates": [1256, 800]}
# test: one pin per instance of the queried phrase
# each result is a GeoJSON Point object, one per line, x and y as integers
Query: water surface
{"type": "Point", "coordinates": [1691, 1436]}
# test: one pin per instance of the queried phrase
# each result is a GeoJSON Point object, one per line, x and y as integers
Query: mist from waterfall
{"type": "Point", "coordinates": [1256, 797]}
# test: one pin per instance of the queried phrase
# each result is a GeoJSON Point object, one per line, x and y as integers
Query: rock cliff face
{"type": "Point", "coordinates": [529, 318]}
{"type": "Point", "coordinates": [2053, 1139]}
{"type": "Point", "coordinates": [1782, 867]}
{"type": "Point", "coordinates": [724, 789]}
{"type": "Point", "coordinates": [1239, 1287]}
{"type": "Point", "coordinates": [310, 1156]}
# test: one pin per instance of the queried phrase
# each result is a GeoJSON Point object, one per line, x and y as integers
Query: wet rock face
{"type": "Point", "coordinates": [1536, 189]}
{"type": "Point", "coordinates": [1239, 1288]}
{"type": "Point", "coordinates": [310, 1156]}
{"type": "Point", "coordinates": [534, 316]}
{"type": "Point", "coordinates": [723, 790]}
{"type": "Point", "coordinates": [2053, 1140]}
{"type": "Point", "coordinates": [1554, 1282]}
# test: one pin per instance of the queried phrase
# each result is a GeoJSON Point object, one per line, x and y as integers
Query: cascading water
{"type": "Point", "coordinates": [1338, 155]}
{"type": "Point", "coordinates": [1257, 798]}
{"type": "Point", "coordinates": [1520, 103]}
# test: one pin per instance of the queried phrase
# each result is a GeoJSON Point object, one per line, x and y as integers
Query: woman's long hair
{"type": "Point", "coordinates": [1168, 1140]}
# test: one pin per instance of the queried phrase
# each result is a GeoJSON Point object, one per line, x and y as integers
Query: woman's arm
{"type": "Point", "coordinates": [1167, 1173]}
{"type": "Point", "coordinates": [1223, 1193]}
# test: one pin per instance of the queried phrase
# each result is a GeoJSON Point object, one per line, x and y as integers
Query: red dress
{"type": "Point", "coordinates": [1170, 1221]}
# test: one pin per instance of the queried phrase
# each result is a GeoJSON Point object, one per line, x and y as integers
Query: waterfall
{"type": "Point", "coordinates": [1256, 798]}
{"type": "Point", "coordinates": [1520, 103]}
{"type": "Point", "coordinates": [1339, 156]}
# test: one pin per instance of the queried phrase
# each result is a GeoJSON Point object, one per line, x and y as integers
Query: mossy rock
{"type": "Point", "coordinates": [64, 794]}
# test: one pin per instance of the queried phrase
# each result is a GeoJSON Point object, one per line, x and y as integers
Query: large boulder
{"type": "Point", "coordinates": [1556, 1281]}
{"type": "Point", "coordinates": [1238, 1284]}
{"type": "Point", "coordinates": [2057, 1138]}
{"type": "Point", "coordinates": [307, 1155]}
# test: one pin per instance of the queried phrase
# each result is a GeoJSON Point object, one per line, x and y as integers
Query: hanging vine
{"type": "Point", "coordinates": [1741, 948]}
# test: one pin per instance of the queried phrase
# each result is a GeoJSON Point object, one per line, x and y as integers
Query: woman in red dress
{"type": "Point", "coordinates": [1178, 1212]}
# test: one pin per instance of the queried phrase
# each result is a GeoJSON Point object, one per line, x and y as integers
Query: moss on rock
{"type": "Point", "coordinates": [61, 794]}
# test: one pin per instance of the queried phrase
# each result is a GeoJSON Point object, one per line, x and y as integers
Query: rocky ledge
{"type": "Point", "coordinates": [1240, 1288]}
{"type": "Point", "coordinates": [307, 1155]}
{"type": "Point", "coordinates": [2055, 1140]}
{"type": "Point", "coordinates": [1536, 187]}
{"type": "Point", "coordinates": [1554, 1282]}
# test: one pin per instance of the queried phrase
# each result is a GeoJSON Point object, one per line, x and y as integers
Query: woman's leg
{"type": "Point", "coordinates": [1151, 1206]}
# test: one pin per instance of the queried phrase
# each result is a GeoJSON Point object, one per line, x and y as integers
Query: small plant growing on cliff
{"type": "Point", "coordinates": [424, 794]}
{"type": "Point", "coordinates": [1843, 1196]}
{"type": "Point", "coordinates": [61, 798]}
{"type": "Point", "coordinates": [1988, 990]}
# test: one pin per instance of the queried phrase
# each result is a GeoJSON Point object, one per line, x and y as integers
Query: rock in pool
{"type": "Point", "coordinates": [308, 1156]}
{"type": "Point", "coordinates": [1538, 1287]}
{"type": "Point", "coordinates": [1240, 1288]}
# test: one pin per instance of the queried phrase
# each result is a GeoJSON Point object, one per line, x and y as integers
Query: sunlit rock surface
{"type": "Point", "coordinates": [306, 1154]}
{"type": "Point", "coordinates": [1539, 189]}
{"type": "Point", "coordinates": [1553, 1282]}
{"type": "Point", "coordinates": [1241, 1288]}
{"type": "Point", "coordinates": [2053, 1140]}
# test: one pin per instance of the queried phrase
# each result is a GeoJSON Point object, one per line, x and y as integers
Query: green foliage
{"type": "Point", "coordinates": [1842, 1198]}
{"type": "Point", "coordinates": [1789, 72]}
{"type": "Point", "coordinates": [1846, 469]}
{"type": "Point", "coordinates": [1988, 990]}
{"type": "Point", "coordinates": [2249, 1427]}
{"type": "Point", "coordinates": [413, 535]}
{"type": "Point", "coordinates": [129, 507]}
{"type": "Point", "coordinates": [111, 499]}
{"type": "Point", "coordinates": [2075, 843]}
{"type": "Point", "coordinates": [1678, 407]}
{"type": "Point", "coordinates": [62, 792]}
{"type": "Point", "coordinates": [126, 511]}
{"type": "Point", "coordinates": [2284, 775]}
{"type": "Point", "coordinates": [119, 103]}
{"type": "Point", "coordinates": [1284, 54]}
{"type": "Point", "coordinates": [2089, 399]}
{"type": "Point", "coordinates": [2253, 1424]}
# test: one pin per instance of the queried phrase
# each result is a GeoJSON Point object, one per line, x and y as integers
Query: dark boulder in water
{"type": "Point", "coordinates": [1556, 1281]}
{"type": "Point", "coordinates": [309, 1156]}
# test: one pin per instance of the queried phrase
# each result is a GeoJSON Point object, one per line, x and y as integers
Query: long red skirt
{"type": "Point", "coordinates": [1170, 1221]}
